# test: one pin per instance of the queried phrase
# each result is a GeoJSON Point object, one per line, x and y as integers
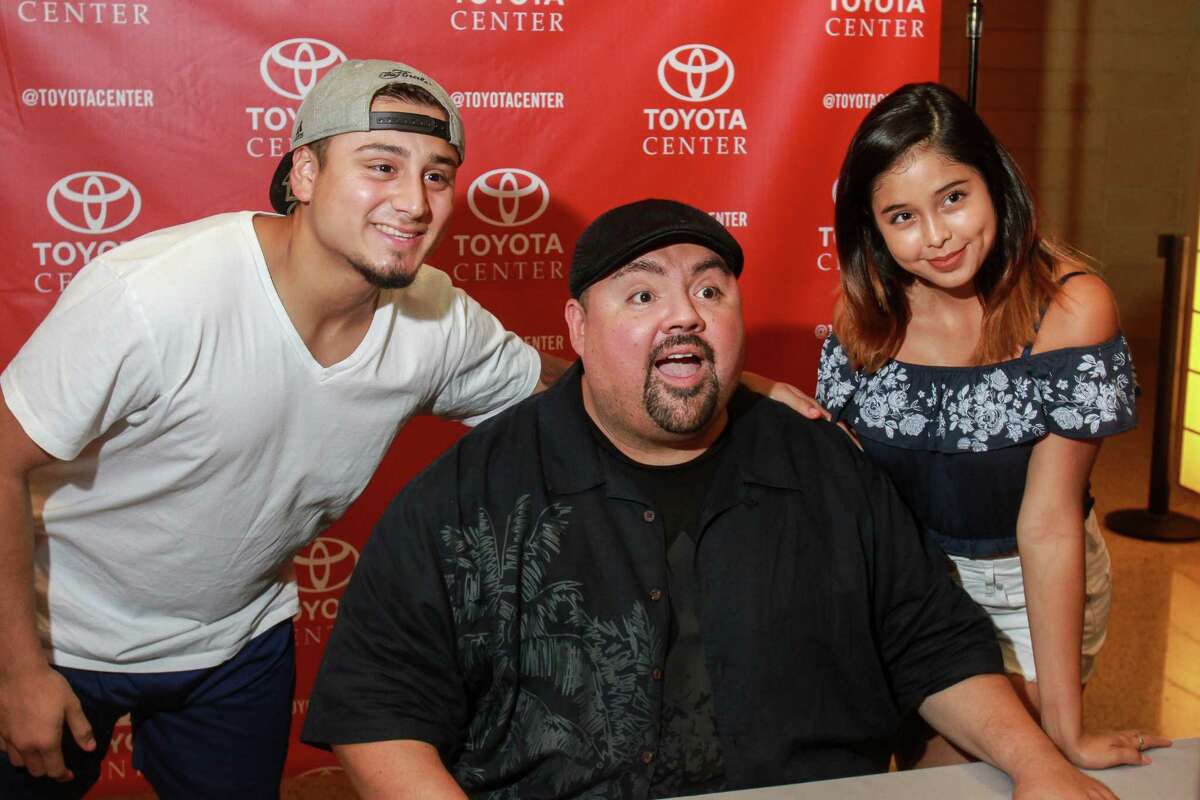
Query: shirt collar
{"type": "Point", "coordinates": [571, 461]}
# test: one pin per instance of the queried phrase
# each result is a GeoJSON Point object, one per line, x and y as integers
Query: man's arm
{"type": "Point", "coordinates": [34, 699]}
{"type": "Point", "coordinates": [397, 770]}
{"type": "Point", "coordinates": [983, 716]}
{"type": "Point", "coordinates": [389, 698]}
{"type": "Point", "coordinates": [552, 368]}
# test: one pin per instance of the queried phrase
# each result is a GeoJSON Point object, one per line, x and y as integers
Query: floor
{"type": "Point", "coordinates": [1148, 675]}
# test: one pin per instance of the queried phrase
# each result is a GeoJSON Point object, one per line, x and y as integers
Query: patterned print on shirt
{"type": "Point", "coordinates": [598, 665]}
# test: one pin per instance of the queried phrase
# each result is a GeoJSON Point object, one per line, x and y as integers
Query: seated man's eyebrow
{"type": "Point", "coordinates": [640, 265]}
{"type": "Point", "coordinates": [714, 262]}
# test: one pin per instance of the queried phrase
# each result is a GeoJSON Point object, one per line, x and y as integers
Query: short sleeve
{"type": "Point", "coordinates": [836, 381]}
{"type": "Point", "coordinates": [489, 368]}
{"type": "Point", "coordinates": [931, 633]}
{"type": "Point", "coordinates": [1087, 392]}
{"type": "Point", "coordinates": [390, 671]}
{"type": "Point", "coordinates": [91, 363]}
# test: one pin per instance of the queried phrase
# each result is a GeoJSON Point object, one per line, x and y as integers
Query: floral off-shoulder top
{"type": "Point", "coordinates": [956, 441]}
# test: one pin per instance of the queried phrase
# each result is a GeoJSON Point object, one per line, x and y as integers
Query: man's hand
{"type": "Point", "coordinates": [34, 699]}
{"type": "Point", "coordinates": [552, 368]}
{"type": "Point", "coordinates": [785, 393]}
{"type": "Point", "coordinates": [1061, 784]}
{"type": "Point", "coordinates": [33, 705]}
{"type": "Point", "coordinates": [1112, 748]}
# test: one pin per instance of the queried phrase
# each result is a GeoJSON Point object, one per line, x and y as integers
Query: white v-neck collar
{"type": "Point", "coordinates": [288, 329]}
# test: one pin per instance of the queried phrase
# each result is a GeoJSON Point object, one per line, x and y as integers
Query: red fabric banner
{"type": "Point", "coordinates": [123, 117]}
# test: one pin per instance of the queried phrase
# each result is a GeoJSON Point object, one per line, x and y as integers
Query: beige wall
{"type": "Point", "coordinates": [1099, 101]}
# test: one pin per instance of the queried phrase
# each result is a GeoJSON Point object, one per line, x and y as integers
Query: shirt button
{"type": "Point", "coordinates": [648, 515]}
{"type": "Point", "coordinates": [656, 595]}
{"type": "Point", "coordinates": [656, 674]}
{"type": "Point", "coordinates": [647, 756]}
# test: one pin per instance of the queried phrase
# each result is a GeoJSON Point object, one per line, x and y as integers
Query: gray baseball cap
{"type": "Point", "coordinates": [341, 103]}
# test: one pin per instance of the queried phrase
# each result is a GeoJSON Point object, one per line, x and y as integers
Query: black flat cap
{"type": "Point", "coordinates": [622, 234]}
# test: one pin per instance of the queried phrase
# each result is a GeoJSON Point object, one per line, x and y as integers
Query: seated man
{"type": "Point", "coordinates": [649, 582]}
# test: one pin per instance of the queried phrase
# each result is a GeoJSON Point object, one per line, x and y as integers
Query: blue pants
{"type": "Point", "coordinates": [220, 732]}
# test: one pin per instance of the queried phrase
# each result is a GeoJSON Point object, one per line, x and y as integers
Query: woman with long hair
{"type": "Point", "coordinates": [980, 365]}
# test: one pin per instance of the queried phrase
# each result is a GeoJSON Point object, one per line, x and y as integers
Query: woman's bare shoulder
{"type": "Point", "coordinates": [1083, 312]}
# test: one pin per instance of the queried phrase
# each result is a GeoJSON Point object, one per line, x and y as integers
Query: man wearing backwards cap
{"type": "Point", "coordinates": [199, 404]}
{"type": "Point", "coordinates": [650, 582]}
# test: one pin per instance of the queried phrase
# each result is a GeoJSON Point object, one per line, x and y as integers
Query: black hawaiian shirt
{"type": "Point", "coordinates": [511, 609]}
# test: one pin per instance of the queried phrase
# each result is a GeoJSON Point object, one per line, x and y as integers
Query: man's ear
{"type": "Point", "coordinates": [576, 316]}
{"type": "Point", "coordinates": [304, 173]}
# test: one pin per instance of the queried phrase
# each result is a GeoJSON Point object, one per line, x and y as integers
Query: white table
{"type": "Point", "coordinates": [1174, 775]}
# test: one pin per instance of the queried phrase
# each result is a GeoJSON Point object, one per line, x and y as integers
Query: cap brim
{"type": "Point", "coordinates": [659, 239]}
{"type": "Point", "coordinates": [664, 238]}
{"type": "Point", "coordinates": [279, 185]}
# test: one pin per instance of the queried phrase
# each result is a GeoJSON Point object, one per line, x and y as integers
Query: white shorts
{"type": "Point", "coordinates": [997, 585]}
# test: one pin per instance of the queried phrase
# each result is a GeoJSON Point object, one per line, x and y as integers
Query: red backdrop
{"type": "Point", "coordinates": [123, 117]}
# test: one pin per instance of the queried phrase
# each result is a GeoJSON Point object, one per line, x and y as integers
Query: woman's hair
{"type": "Point", "coordinates": [1014, 283]}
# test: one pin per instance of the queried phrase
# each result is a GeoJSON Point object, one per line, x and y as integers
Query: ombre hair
{"type": "Point", "coordinates": [1014, 283]}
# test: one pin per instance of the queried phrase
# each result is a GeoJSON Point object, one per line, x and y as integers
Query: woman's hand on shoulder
{"type": "Point", "coordinates": [785, 393]}
{"type": "Point", "coordinates": [1084, 312]}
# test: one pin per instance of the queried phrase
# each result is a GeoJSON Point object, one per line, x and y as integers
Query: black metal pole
{"type": "Point", "coordinates": [1158, 522]}
{"type": "Point", "coordinates": [1171, 249]}
{"type": "Point", "coordinates": [974, 34]}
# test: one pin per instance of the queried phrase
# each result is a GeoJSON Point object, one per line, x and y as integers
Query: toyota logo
{"type": "Point", "coordinates": [93, 202]}
{"type": "Point", "coordinates": [325, 565]}
{"type": "Point", "coordinates": [298, 64]}
{"type": "Point", "coordinates": [703, 71]}
{"type": "Point", "coordinates": [508, 197]}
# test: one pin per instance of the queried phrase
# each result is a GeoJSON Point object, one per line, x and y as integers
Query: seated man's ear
{"type": "Point", "coordinates": [576, 316]}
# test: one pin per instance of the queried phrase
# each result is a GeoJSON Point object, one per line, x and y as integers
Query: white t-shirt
{"type": "Point", "coordinates": [203, 445]}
